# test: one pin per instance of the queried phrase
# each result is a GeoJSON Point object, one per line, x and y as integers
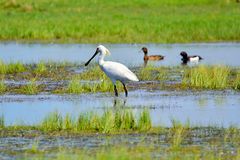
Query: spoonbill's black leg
{"type": "Point", "coordinates": [125, 89]}
{"type": "Point", "coordinates": [116, 92]}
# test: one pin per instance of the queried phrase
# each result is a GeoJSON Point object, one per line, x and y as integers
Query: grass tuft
{"type": "Point", "coordinates": [3, 67]}
{"type": "Point", "coordinates": [75, 86]}
{"type": "Point", "coordinates": [144, 122]}
{"type": "Point", "coordinates": [53, 122]}
{"type": "Point", "coordinates": [40, 68]}
{"type": "Point", "coordinates": [209, 77]}
{"type": "Point", "coordinates": [236, 83]}
{"type": "Point", "coordinates": [108, 122]}
{"type": "Point", "coordinates": [2, 122]}
{"type": "Point", "coordinates": [151, 73]}
{"type": "Point", "coordinates": [3, 87]}
{"type": "Point", "coordinates": [30, 88]}
{"type": "Point", "coordinates": [17, 67]}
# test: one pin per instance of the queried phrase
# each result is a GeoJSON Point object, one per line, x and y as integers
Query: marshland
{"type": "Point", "coordinates": [52, 106]}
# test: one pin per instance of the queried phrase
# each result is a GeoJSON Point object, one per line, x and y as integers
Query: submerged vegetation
{"type": "Point", "coordinates": [18, 78]}
{"type": "Point", "coordinates": [121, 22]}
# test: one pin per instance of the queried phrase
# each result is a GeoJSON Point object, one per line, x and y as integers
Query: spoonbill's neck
{"type": "Point", "coordinates": [101, 59]}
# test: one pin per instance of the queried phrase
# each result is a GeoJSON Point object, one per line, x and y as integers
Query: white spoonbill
{"type": "Point", "coordinates": [114, 70]}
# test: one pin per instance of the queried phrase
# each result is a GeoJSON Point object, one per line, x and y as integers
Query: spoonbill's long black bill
{"type": "Point", "coordinates": [91, 58]}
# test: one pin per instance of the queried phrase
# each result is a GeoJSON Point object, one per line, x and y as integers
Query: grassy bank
{"type": "Point", "coordinates": [120, 21]}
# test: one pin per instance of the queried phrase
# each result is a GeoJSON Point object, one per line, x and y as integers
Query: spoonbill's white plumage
{"type": "Point", "coordinates": [114, 70]}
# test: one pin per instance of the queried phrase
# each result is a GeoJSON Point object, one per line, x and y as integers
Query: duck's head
{"type": "Point", "coordinates": [100, 49]}
{"type": "Point", "coordinates": [183, 54]}
{"type": "Point", "coordinates": [145, 50]}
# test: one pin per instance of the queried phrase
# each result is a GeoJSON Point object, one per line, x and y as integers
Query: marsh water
{"type": "Point", "coordinates": [220, 108]}
{"type": "Point", "coordinates": [129, 54]}
{"type": "Point", "coordinates": [200, 109]}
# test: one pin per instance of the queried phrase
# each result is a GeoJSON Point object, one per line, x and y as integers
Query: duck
{"type": "Point", "coordinates": [151, 57]}
{"type": "Point", "coordinates": [114, 70]}
{"type": "Point", "coordinates": [186, 58]}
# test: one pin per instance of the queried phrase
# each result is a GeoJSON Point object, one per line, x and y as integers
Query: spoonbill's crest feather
{"type": "Point", "coordinates": [103, 50]}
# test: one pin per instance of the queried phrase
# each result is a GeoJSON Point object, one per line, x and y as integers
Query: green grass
{"type": "Point", "coordinates": [236, 82]}
{"type": "Point", "coordinates": [93, 73]}
{"type": "Point", "coordinates": [11, 68]}
{"type": "Point", "coordinates": [3, 87]}
{"type": "Point", "coordinates": [2, 122]}
{"type": "Point", "coordinates": [151, 73]}
{"type": "Point", "coordinates": [30, 88]}
{"type": "Point", "coordinates": [3, 68]}
{"type": "Point", "coordinates": [139, 152]}
{"type": "Point", "coordinates": [15, 68]}
{"type": "Point", "coordinates": [53, 122]}
{"type": "Point", "coordinates": [145, 122]}
{"type": "Point", "coordinates": [160, 21]}
{"type": "Point", "coordinates": [40, 68]}
{"type": "Point", "coordinates": [177, 144]}
{"type": "Point", "coordinates": [210, 77]}
{"type": "Point", "coordinates": [108, 122]}
{"type": "Point", "coordinates": [76, 87]}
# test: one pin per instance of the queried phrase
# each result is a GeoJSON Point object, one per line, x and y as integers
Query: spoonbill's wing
{"type": "Point", "coordinates": [117, 71]}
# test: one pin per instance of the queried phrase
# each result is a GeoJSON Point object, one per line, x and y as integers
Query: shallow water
{"type": "Point", "coordinates": [204, 108]}
{"type": "Point", "coordinates": [201, 108]}
{"type": "Point", "coordinates": [129, 54]}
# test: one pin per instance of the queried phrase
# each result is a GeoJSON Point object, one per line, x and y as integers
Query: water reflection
{"type": "Point", "coordinates": [202, 101]}
{"type": "Point", "coordinates": [118, 102]}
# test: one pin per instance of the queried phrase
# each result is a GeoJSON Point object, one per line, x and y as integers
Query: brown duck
{"type": "Point", "coordinates": [151, 57]}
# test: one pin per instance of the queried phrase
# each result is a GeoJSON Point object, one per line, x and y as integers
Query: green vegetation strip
{"type": "Point", "coordinates": [18, 78]}
{"type": "Point", "coordinates": [180, 141]}
{"type": "Point", "coordinates": [96, 21]}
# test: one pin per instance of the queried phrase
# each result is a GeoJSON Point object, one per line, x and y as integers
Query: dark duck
{"type": "Point", "coordinates": [186, 58]}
